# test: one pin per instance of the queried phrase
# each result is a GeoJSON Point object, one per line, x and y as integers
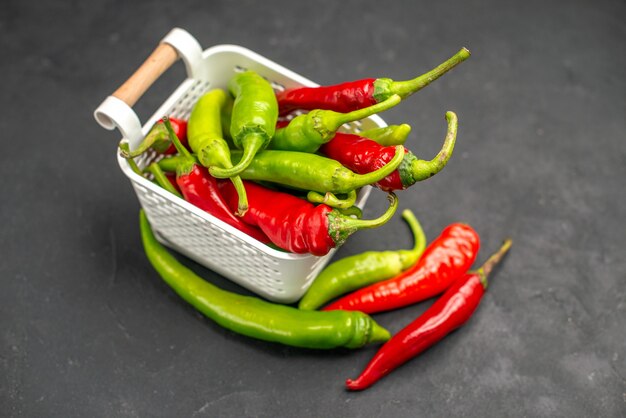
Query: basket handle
{"type": "Point", "coordinates": [116, 110]}
{"type": "Point", "coordinates": [159, 61]}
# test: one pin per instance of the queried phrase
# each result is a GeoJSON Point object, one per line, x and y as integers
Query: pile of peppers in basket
{"type": "Point", "coordinates": [278, 167]}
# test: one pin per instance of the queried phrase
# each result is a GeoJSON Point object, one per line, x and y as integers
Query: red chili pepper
{"type": "Point", "coordinates": [448, 313]}
{"type": "Point", "coordinates": [199, 188]}
{"type": "Point", "coordinates": [353, 95]}
{"type": "Point", "coordinates": [363, 155]}
{"type": "Point", "coordinates": [448, 257]}
{"type": "Point", "coordinates": [297, 225]}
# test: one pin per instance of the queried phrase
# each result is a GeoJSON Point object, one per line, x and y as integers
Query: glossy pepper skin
{"type": "Point", "coordinates": [158, 139]}
{"type": "Point", "coordinates": [309, 131]}
{"type": "Point", "coordinates": [306, 171]}
{"type": "Point", "coordinates": [296, 225]}
{"type": "Point", "coordinates": [363, 155]}
{"type": "Point", "coordinates": [360, 270]}
{"type": "Point", "coordinates": [257, 318]}
{"type": "Point", "coordinates": [253, 118]}
{"type": "Point", "coordinates": [346, 97]}
{"type": "Point", "coordinates": [199, 188]}
{"type": "Point", "coordinates": [446, 259]}
{"type": "Point", "coordinates": [206, 140]}
{"type": "Point", "coordinates": [448, 313]}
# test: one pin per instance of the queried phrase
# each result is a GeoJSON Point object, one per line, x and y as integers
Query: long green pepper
{"type": "Point", "coordinates": [205, 138]}
{"type": "Point", "coordinates": [363, 269]}
{"type": "Point", "coordinates": [253, 119]}
{"type": "Point", "coordinates": [257, 318]}
{"type": "Point", "coordinates": [312, 172]}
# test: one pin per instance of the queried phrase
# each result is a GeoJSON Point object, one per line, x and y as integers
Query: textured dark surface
{"type": "Point", "coordinates": [88, 329]}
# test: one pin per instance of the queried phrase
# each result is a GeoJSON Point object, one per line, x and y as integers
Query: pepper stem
{"type": "Point", "coordinates": [421, 169]}
{"type": "Point", "coordinates": [331, 200]}
{"type": "Point", "coordinates": [169, 164]}
{"type": "Point", "coordinates": [419, 238]}
{"type": "Point", "coordinates": [157, 133]}
{"type": "Point", "coordinates": [360, 180]}
{"type": "Point", "coordinates": [406, 88]}
{"type": "Point", "coordinates": [161, 179]}
{"type": "Point", "coordinates": [174, 138]}
{"type": "Point", "coordinates": [124, 152]}
{"type": "Point", "coordinates": [242, 204]}
{"type": "Point", "coordinates": [492, 261]}
{"type": "Point", "coordinates": [341, 118]}
{"type": "Point", "coordinates": [253, 143]}
{"type": "Point", "coordinates": [340, 227]}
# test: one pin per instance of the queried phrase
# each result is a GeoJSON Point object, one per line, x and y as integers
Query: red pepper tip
{"type": "Point", "coordinates": [355, 384]}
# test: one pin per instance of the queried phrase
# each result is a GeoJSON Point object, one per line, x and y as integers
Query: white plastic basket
{"type": "Point", "coordinates": [275, 275]}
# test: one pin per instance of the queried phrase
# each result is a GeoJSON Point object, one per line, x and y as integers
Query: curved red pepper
{"type": "Point", "coordinates": [446, 259]}
{"type": "Point", "coordinates": [363, 155]}
{"type": "Point", "coordinates": [448, 313]}
{"type": "Point", "coordinates": [295, 224]}
{"type": "Point", "coordinates": [343, 98]}
{"type": "Point", "coordinates": [200, 189]}
{"type": "Point", "coordinates": [353, 95]}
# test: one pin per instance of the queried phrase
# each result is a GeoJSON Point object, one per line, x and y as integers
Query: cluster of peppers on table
{"type": "Point", "coordinates": [290, 180]}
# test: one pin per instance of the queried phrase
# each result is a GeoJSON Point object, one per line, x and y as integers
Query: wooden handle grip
{"type": "Point", "coordinates": [156, 64]}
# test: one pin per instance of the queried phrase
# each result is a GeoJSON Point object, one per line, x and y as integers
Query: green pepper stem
{"type": "Point", "coordinates": [406, 88]}
{"type": "Point", "coordinates": [253, 143]}
{"type": "Point", "coordinates": [174, 138]}
{"type": "Point", "coordinates": [492, 261]}
{"type": "Point", "coordinates": [242, 204]}
{"type": "Point", "coordinates": [161, 179]}
{"type": "Point", "coordinates": [157, 133]}
{"type": "Point", "coordinates": [419, 238]}
{"type": "Point", "coordinates": [169, 164]}
{"type": "Point", "coordinates": [331, 200]}
{"type": "Point", "coordinates": [335, 120]}
{"type": "Point", "coordinates": [421, 169]}
{"type": "Point", "coordinates": [372, 177]}
{"type": "Point", "coordinates": [351, 211]}
{"type": "Point", "coordinates": [187, 160]}
{"type": "Point", "coordinates": [340, 227]}
{"type": "Point", "coordinates": [124, 152]}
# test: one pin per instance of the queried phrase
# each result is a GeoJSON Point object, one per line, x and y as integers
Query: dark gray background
{"type": "Point", "coordinates": [88, 328]}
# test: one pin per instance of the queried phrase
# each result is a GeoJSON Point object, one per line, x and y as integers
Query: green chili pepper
{"type": "Point", "coordinates": [304, 171]}
{"type": "Point", "coordinates": [360, 270]}
{"type": "Point", "coordinates": [257, 318]}
{"type": "Point", "coordinates": [204, 135]}
{"type": "Point", "coordinates": [253, 119]}
{"type": "Point", "coordinates": [309, 131]}
{"type": "Point", "coordinates": [388, 135]}
{"type": "Point", "coordinates": [312, 172]}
